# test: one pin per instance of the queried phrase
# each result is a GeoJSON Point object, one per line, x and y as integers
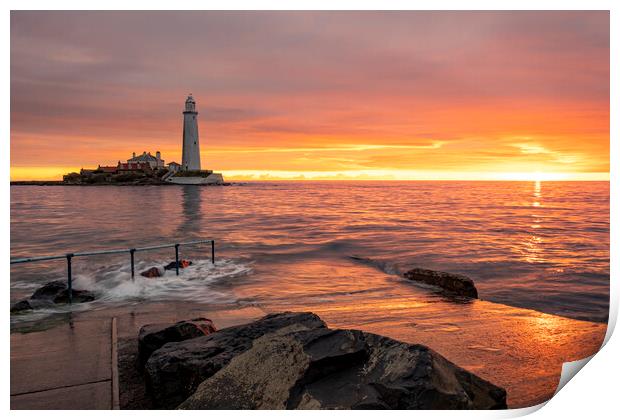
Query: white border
{"type": "Point", "coordinates": [593, 395]}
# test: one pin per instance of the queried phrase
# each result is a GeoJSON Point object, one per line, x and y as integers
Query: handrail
{"type": "Point", "coordinates": [107, 251]}
{"type": "Point", "coordinates": [132, 251]}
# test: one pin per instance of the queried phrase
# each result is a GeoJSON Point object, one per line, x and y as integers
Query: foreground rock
{"type": "Point", "coordinates": [453, 283]}
{"type": "Point", "coordinates": [342, 369]}
{"type": "Point", "coordinates": [175, 370]}
{"type": "Point", "coordinates": [293, 361]}
{"type": "Point", "coordinates": [52, 293]}
{"type": "Point", "coordinates": [154, 336]}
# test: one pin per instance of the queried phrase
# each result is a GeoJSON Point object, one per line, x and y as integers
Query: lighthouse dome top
{"type": "Point", "coordinates": [190, 104]}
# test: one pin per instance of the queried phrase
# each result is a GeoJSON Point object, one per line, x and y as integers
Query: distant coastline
{"type": "Point", "coordinates": [120, 184]}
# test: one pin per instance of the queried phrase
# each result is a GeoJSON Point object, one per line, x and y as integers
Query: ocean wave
{"type": "Point", "coordinates": [113, 285]}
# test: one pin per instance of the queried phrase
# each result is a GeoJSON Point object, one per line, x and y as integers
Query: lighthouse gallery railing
{"type": "Point", "coordinates": [131, 252]}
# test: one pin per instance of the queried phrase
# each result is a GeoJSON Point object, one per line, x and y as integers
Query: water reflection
{"type": "Point", "coordinates": [533, 245]}
{"type": "Point", "coordinates": [191, 199]}
{"type": "Point", "coordinates": [537, 194]}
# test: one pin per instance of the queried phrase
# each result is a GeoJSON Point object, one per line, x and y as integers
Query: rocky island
{"type": "Point", "coordinates": [148, 169]}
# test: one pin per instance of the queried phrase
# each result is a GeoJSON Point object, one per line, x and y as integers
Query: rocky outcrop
{"type": "Point", "coordinates": [77, 296]}
{"type": "Point", "coordinates": [22, 305]}
{"type": "Point", "coordinates": [174, 371]}
{"type": "Point", "coordinates": [293, 361]}
{"type": "Point", "coordinates": [342, 369]}
{"type": "Point", "coordinates": [455, 284]}
{"type": "Point", "coordinates": [49, 291]}
{"type": "Point", "coordinates": [52, 293]}
{"type": "Point", "coordinates": [153, 336]}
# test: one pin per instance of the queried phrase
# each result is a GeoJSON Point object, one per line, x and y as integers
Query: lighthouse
{"type": "Point", "coordinates": [191, 145]}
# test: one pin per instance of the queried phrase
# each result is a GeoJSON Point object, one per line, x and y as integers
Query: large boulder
{"type": "Point", "coordinates": [174, 371]}
{"type": "Point", "coordinates": [455, 284]}
{"type": "Point", "coordinates": [77, 296]}
{"type": "Point", "coordinates": [50, 294]}
{"type": "Point", "coordinates": [49, 291]}
{"type": "Point", "coordinates": [153, 336]}
{"type": "Point", "coordinates": [342, 369]}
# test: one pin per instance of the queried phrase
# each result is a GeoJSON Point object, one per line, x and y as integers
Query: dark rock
{"type": "Point", "coordinates": [153, 336]}
{"type": "Point", "coordinates": [54, 292]}
{"type": "Point", "coordinates": [182, 264]}
{"type": "Point", "coordinates": [342, 369]}
{"type": "Point", "coordinates": [49, 291]}
{"type": "Point", "coordinates": [152, 272]}
{"type": "Point", "coordinates": [31, 304]}
{"type": "Point", "coordinates": [174, 371]}
{"type": "Point", "coordinates": [452, 283]}
{"type": "Point", "coordinates": [22, 305]}
{"type": "Point", "coordinates": [77, 296]}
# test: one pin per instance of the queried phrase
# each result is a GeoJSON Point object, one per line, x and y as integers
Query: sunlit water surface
{"type": "Point", "coordinates": [543, 246]}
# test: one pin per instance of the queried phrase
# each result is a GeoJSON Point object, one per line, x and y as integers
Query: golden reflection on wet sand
{"type": "Point", "coordinates": [519, 349]}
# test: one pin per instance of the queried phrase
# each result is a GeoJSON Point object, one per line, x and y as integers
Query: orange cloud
{"type": "Point", "coordinates": [464, 95]}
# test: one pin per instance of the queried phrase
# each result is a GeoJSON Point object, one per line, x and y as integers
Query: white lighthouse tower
{"type": "Point", "coordinates": [191, 145]}
{"type": "Point", "coordinates": [191, 153]}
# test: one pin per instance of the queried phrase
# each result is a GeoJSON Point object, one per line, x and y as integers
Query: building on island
{"type": "Point", "coordinates": [106, 169]}
{"type": "Point", "coordinates": [174, 167]}
{"type": "Point", "coordinates": [134, 166]}
{"type": "Point", "coordinates": [156, 162]}
{"type": "Point", "coordinates": [191, 172]}
{"type": "Point", "coordinates": [146, 167]}
{"type": "Point", "coordinates": [191, 145]}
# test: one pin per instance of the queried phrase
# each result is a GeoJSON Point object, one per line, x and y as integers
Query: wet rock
{"type": "Point", "coordinates": [49, 291]}
{"type": "Point", "coordinates": [452, 283]}
{"type": "Point", "coordinates": [342, 369]}
{"type": "Point", "coordinates": [31, 304]}
{"type": "Point", "coordinates": [152, 272]}
{"type": "Point", "coordinates": [22, 305]}
{"type": "Point", "coordinates": [154, 336]}
{"type": "Point", "coordinates": [182, 264]}
{"type": "Point", "coordinates": [174, 371]}
{"type": "Point", "coordinates": [77, 296]}
{"type": "Point", "coordinates": [52, 293]}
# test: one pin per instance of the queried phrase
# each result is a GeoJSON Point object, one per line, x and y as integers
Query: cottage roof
{"type": "Point", "coordinates": [107, 168]}
{"type": "Point", "coordinates": [144, 157]}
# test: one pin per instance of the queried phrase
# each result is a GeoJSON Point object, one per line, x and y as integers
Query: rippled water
{"type": "Point", "coordinates": [543, 246]}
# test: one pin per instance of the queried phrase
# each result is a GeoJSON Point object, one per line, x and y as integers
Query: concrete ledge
{"type": "Point", "coordinates": [71, 366]}
{"type": "Point", "coordinates": [95, 396]}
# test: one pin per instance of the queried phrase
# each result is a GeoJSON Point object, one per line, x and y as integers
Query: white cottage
{"type": "Point", "coordinates": [156, 162]}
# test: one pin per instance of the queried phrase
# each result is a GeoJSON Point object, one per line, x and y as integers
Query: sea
{"type": "Point", "coordinates": [536, 245]}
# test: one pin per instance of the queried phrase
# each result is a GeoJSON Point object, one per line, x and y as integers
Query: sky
{"type": "Point", "coordinates": [315, 95]}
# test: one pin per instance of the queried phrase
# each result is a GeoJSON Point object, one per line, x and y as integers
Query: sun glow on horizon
{"type": "Point", "coordinates": [21, 173]}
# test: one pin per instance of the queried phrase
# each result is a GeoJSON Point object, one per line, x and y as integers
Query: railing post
{"type": "Point", "coordinates": [176, 256]}
{"type": "Point", "coordinates": [69, 279]}
{"type": "Point", "coordinates": [212, 251]}
{"type": "Point", "coordinates": [132, 251]}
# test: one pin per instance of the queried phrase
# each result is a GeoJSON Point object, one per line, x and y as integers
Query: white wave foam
{"type": "Point", "coordinates": [114, 284]}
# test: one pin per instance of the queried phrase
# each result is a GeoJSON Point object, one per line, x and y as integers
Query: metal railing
{"type": "Point", "coordinates": [131, 251]}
